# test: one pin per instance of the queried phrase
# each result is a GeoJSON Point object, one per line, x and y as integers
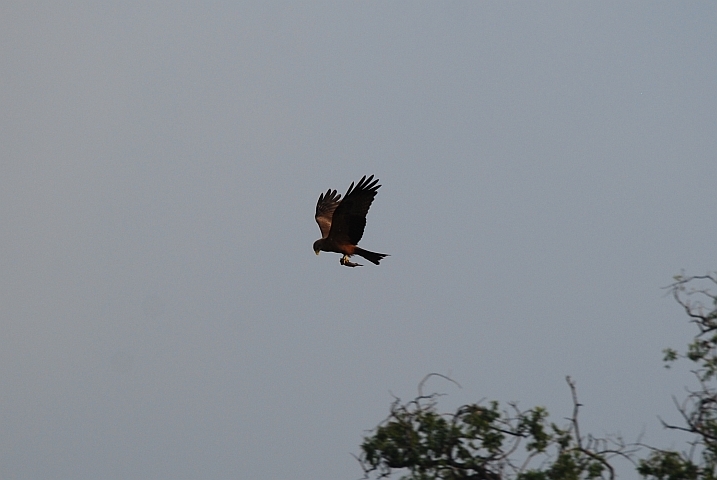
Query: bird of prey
{"type": "Point", "coordinates": [342, 221]}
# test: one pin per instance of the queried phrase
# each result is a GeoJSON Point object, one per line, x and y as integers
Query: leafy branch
{"type": "Point", "coordinates": [699, 409]}
{"type": "Point", "coordinates": [481, 441]}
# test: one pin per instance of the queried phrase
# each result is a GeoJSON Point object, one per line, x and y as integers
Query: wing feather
{"type": "Point", "coordinates": [325, 210]}
{"type": "Point", "coordinates": [349, 217]}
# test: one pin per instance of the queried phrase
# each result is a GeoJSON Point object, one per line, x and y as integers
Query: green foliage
{"type": "Point", "coordinates": [430, 445]}
{"type": "Point", "coordinates": [694, 295]}
{"type": "Point", "coordinates": [484, 442]}
{"type": "Point", "coordinates": [665, 465]}
{"type": "Point", "coordinates": [480, 442]}
{"type": "Point", "coordinates": [699, 409]}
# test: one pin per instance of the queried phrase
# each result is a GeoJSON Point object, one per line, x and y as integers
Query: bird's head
{"type": "Point", "coordinates": [317, 246]}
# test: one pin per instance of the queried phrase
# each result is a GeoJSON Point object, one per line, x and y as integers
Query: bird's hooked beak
{"type": "Point", "coordinates": [317, 252]}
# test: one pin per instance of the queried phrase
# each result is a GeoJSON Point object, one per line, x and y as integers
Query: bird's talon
{"type": "Point", "coordinates": [348, 263]}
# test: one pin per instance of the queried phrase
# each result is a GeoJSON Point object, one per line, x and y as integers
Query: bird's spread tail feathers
{"type": "Point", "coordinates": [372, 257]}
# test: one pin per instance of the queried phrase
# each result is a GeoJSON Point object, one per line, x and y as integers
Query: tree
{"type": "Point", "coordinates": [699, 409]}
{"type": "Point", "coordinates": [481, 441]}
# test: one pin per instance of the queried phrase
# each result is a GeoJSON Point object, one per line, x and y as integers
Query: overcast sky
{"type": "Point", "coordinates": [547, 167]}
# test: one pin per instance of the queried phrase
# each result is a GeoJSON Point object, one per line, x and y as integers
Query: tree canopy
{"type": "Point", "coordinates": [484, 441]}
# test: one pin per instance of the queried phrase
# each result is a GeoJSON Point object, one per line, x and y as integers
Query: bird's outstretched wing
{"type": "Point", "coordinates": [349, 218]}
{"type": "Point", "coordinates": [325, 210]}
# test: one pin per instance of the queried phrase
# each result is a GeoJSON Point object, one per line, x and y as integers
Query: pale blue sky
{"type": "Point", "coordinates": [546, 168]}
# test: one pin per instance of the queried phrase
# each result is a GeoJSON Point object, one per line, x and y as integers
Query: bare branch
{"type": "Point", "coordinates": [423, 381]}
{"type": "Point", "coordinates": [576, 408]}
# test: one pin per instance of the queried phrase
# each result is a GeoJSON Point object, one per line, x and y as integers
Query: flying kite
{"type": "Point", "coordinates": [342, 221]}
